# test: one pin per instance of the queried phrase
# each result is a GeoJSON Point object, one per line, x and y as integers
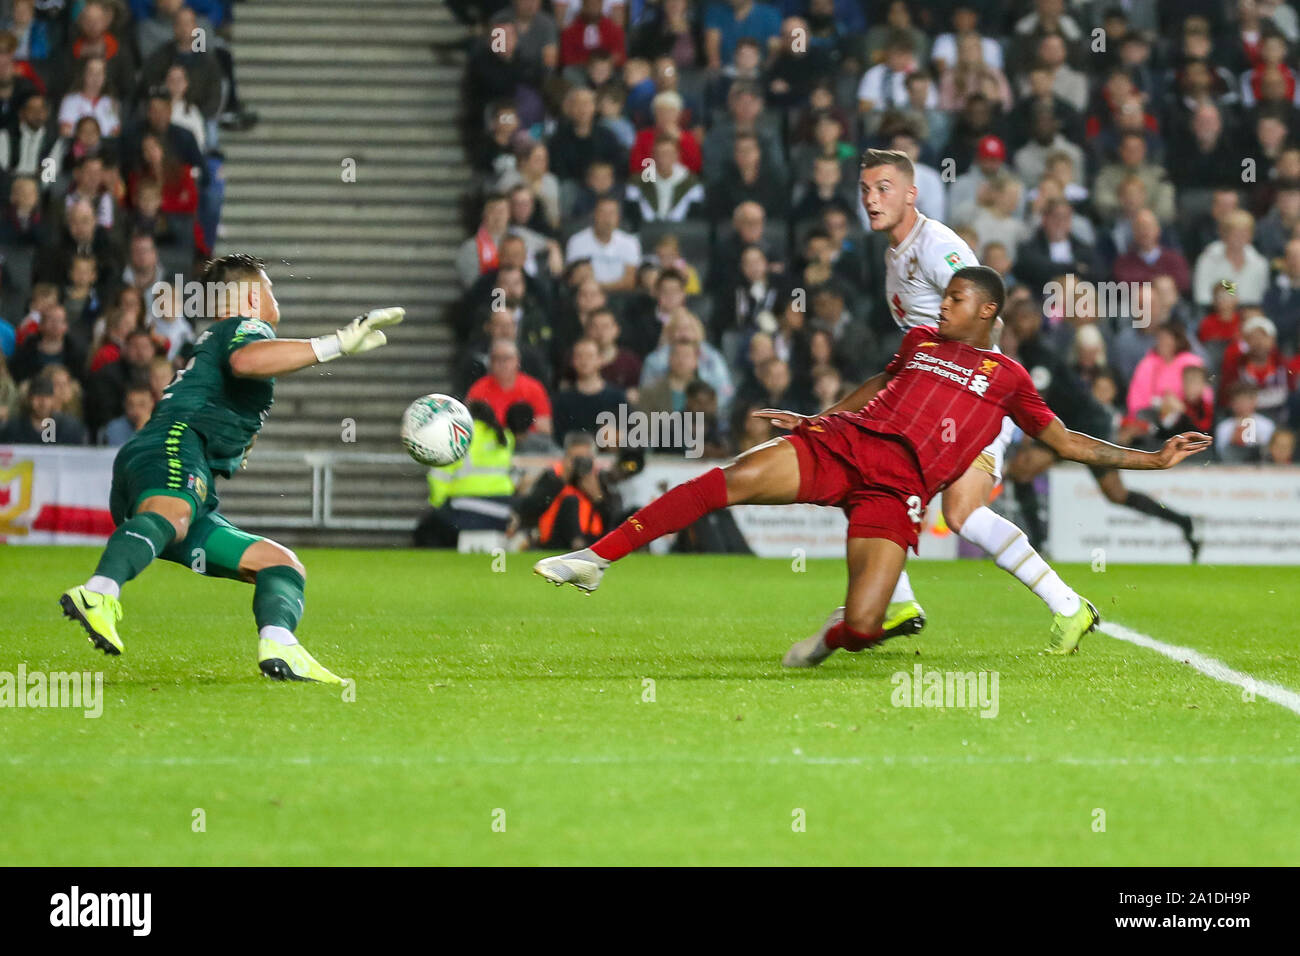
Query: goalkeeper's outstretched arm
{"type": "Point", "coordinates": [271, 357]}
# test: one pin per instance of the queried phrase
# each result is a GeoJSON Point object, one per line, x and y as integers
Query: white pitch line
{"type": "Point", "coordinates": [1207, 665]}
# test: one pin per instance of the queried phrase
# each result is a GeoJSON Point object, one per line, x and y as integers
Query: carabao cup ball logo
{"type": "Point", "coordinates": [437, 430]}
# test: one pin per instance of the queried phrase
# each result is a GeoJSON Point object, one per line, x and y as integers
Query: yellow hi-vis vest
{"type": "Point", "coordinates": [484, 472]}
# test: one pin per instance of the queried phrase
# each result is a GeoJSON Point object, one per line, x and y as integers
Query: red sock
{"type": "Point", "coordinates": [673, 511]}
{"type": "Point", "coordinates": [841, 636]}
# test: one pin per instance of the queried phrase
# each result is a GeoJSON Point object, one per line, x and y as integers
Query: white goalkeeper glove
{"type": "Point", "coordinates": [360, 335]}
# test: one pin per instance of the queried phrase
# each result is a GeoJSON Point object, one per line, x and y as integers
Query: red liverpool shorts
{"type": "Point", "coordinates": [873, 478]}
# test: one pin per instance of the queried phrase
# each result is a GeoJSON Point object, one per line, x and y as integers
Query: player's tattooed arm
{"type": "Point", "coordinates": [1077, 446]}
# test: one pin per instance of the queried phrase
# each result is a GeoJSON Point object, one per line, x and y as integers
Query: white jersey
{"type": "Point", "coordinates": [917, 271]}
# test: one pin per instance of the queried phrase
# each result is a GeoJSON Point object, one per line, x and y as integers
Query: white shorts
{"type": "Point", "coordinates": [992, 457]}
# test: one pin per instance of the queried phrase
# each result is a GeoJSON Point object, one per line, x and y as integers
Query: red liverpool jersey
{"type": "Point", "coordinates": [946, 400]}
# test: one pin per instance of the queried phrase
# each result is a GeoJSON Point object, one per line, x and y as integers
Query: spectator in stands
{"type": "Point", "coordinates": [683, 328]}
{"type": "Point", "coordinates": [179, 141]}
{"type": "Point", "coordinates": [1245, 432]}
{"type": "Point", "coordinates": [573, 503]}
{"type": "Point", "coordinates": [1160, 373]}
{"type": "Point", "coordinates": [1282, 300]}
{"type": "Point", "coordinates": [107, 347]}
{"type": "Point", "coordinates": [44, 297]}
{"type": "Point", "coordinates": [1205, 158]}
{"type": "Point", "coordinates": [1052, 250]}
{"type": "Point", "coordinates": [990, 160]}
{"type": "Point", "coordinates": [610, 101]}
{"type": "Point", "coordinates": [531, 226]}
{"type": "Point", "coordinates": [81, 299]}
{"type": "Point", "coordinates": [106, 388]}
{"type": "Point", "coordinates": [619, 366]}
{"type": "Point", "coordinates": [1255, 358]}
{"type": "Point", "coordinates": [1045, 138]}
{"type": "Point", "coordinates": [92, 37]}
{"type": "Point", "coordinates": [744, 110]}
{"type": "Point", "coordinates": [501, 323]}
{"type": "Point", "coordinates": [796, 66]}
{"type": "Point", "coordinates": [671, 194]}
{"type": "Point", "coordinates": [614, 254]}
{"type": "Point", "coordinates": [538, 36]}
{"type": "Point", "coordinates": [51, 345]}
{"type": "Point", "coordinates": [971, 73]}
{"type": "Point", "coordinates": [828, 142]}
{"type": "Point", "coordinates": [37, 421]}
{"type": "Point", "coordinates": [1233, 259]}
{"type": "Point", "coordinates": [578, 408]}
{"type": "Point", "coordinates": [592, 30]}
{"type": "Point", "coordinates": [1281, 448]}
{"type": "Point", "coordinates": [749, 177]}
{"type": "Point", "coordinates": [856, 352]}
{"type": "Point", "coordinates": [25, 146]}
{"type": "Point", "coordinates": [748, 306]}
{"type": "Point", "coordinates": [87, 186]}
{"type": "Point", "coordinates": [995, 218]}
{"type": "Point", "coordinates": [579, 140]}
{"type": "Point", "coordinates": [90, 97]}
{"type": "Point", "coordinates": [667, 109]}
{"type": "Point", "coordinates": [667, 393]}
{"type": "Point", "coordinates": [1038, 93]}
{"type": "Point", "coordinates": [505, 384]}
{"type": "Point", "coordinates": [8, 392]}
{"type": "Point", "coordinates": [167, 320]}
{"type": "Point", "coordinates": [884, 86]}
{"type": "Point", "coordinates": [726, 23]}
{"type": "Point", "coordinates": [14, 86]}
{"type": "Point", "coordinates": [31, 35]}
{"type": "Point", "coordinates": [143, 269]}
{"type": "Point", "coordinates": [826, 189]}
{"type": "Point", "coordinates": [137, 407]}
{"type": "Point", "coordinates": [185, 112]}
{"type": "Point", "coordinates": [532, 169]}
{"type": "Point", "coordinates": [1148, 257]}
{"type": "Point", "coordinates": [666, 29]}
{"type": "Point", "coordinates": [478, 253]}
{"type": "Point", "coordinates": [599, 184]}
{"type": "Point", "coordinates": [23, 223]}
{"type": "Point", "coordinates": [199, 63]}
{"type": "Point", "coordinates": [1132, 161]}
{"type": "Point", "coordinates": [748, 224]}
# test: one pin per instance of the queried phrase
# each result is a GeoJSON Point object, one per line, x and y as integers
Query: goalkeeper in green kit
{"type": "Point", "coordinates": [162, 498]}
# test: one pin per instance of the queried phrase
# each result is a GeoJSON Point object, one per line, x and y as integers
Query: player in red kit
{"type": "Point", "coordinates": [937, 405]}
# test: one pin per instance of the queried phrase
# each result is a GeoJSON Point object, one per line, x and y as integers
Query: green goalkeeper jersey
{"type": "Point", "coordinates": [226, 411]}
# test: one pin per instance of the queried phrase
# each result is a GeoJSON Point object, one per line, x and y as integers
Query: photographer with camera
{"type": "Point", "coordinates": [571, 504]}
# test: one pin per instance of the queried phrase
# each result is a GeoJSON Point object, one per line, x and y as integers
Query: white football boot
{"type": "Point", "coordinates": [583, 569]}
{"type": "Point", "coordinates": [811, 651]}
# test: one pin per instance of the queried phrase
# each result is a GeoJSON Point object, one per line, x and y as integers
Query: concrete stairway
{"type": "Point", "coordinates": [343, 85]}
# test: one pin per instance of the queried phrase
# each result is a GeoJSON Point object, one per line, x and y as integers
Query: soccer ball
{"type": "Point", "coordinates": [436, 430]}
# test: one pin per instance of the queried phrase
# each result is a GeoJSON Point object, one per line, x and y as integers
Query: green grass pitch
{"type": "Point", "coordinates": [488, 697]}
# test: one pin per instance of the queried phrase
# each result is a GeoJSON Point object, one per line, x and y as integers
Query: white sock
{"type": "Point", "coordinates": [102, 585]}
{"type": "Point", "coordinates": [1012, 552]}
{"type": "Point", "coordinates": [902, 590]}
{"type": "Point", "coordinates": [281, 635]}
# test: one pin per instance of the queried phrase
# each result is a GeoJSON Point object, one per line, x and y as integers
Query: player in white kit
{"type": "Point", "coordinates": [923, 255]}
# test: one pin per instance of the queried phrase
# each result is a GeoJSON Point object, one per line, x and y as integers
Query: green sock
{"type": "Point", "coordinates": [277, 597]}
{"type": "Point", "coordinates": [135, 543]}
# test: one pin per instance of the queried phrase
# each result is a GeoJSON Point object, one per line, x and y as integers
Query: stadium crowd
{"type": "Point", "coordinates": [111, 113]}
{"type": "Point", "coordinates": [667, 209]}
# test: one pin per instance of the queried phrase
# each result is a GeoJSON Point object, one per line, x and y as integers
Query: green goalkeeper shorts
{"type": "Point", "coordinates": [175, 465]}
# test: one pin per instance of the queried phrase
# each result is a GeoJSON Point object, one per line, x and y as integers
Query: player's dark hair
{"type": "Point", "coordinates": [481, 411]}
{"type": "Point", "coordinates": [234, 267]}
{"type": "Point", "coordinates": [988, 282]}
{"type": "Point", "coordinates": [873, 158]}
